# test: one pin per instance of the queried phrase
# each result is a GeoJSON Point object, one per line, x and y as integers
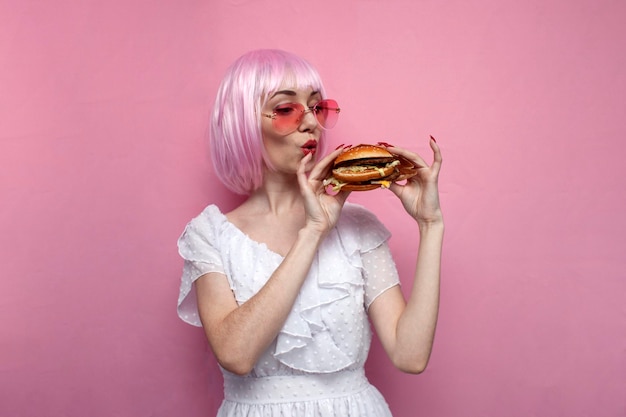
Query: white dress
{"type": "Point", "coordinates": [314, 367]}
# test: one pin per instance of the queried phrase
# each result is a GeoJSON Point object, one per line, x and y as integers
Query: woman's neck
{"type": "Point", "coordinates": [276, 201]}
{"type": "Point", "coordinates": [278, 194]}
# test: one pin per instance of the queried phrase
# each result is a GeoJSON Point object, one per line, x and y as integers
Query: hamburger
{"type": "Point", "coordinates": [367, 167]}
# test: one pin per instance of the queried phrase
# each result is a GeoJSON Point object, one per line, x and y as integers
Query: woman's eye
{"type": "Point", "coordinates": [284, 110]}
{"type": "Point", "coordinates": [319, 106]}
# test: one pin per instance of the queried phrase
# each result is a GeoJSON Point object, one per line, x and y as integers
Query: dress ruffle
{"type": "Point", "coordinates": [305, 341]}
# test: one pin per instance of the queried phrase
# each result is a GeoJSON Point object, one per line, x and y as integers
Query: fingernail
{"type": "Point", "coordinates": [385, 144]}
{"type": "Point", "coordinates": [347, 146]}
{"type": "Point", "coordinates": [431, 136]}
{"type": "Point", "coordinates": [340, 146]}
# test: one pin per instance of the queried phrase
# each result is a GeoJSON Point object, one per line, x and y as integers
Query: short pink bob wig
{"type": "Point", "coordinates": [236, 141]}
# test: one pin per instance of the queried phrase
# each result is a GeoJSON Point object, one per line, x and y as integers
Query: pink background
{"type": "Point", "coordinates": [103, 113]}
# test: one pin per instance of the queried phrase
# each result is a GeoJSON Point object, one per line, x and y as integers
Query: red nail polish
{"type": "Point", "coordinates": [431, 136]}
{"type": "Point", "coordinates": [385, 144]}
{"type": "Point", "coordinates": [347, 146]}
{"type": "Point", "coordinates": [340, 146]}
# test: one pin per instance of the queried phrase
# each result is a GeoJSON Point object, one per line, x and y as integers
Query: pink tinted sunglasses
{"type": "Point", "coordinates": [287, 117]}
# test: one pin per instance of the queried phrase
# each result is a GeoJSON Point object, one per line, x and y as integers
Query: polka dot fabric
{"type": "Point", "coordinates": [325, 339]}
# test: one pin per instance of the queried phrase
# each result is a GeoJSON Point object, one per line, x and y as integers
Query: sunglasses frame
{"type": "Point", "coordinates": [316, 109]}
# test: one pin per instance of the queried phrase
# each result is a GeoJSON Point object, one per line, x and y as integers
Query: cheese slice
{"type": "Point", "coordinates": [383, 183]}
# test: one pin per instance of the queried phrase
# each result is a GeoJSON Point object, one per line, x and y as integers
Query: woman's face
{"type": "Point", "coordinates": [286, 150]}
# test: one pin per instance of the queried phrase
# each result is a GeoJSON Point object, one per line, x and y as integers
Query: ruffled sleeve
{"type": "Point", "coordinates": [370, 240]}
{"type": "Point", "coordinates": [360, 229]}
{"type": "Point", "coordinates": [198, 248]}
{"type": "Point", "coordinates": [379, 273]}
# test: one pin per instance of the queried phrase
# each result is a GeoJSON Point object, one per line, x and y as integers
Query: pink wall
{"type": "Point", "coordinates": [102, 162]}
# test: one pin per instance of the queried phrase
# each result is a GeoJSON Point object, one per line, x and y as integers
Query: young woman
{"type": "Point", "coordinates": [284, 284]}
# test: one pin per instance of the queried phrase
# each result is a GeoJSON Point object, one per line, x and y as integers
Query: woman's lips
{"type": "Point", "coordinates": [309, 147]}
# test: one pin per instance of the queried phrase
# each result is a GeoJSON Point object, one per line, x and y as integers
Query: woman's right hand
{"type": "Point", "coordinates": [322, 209]}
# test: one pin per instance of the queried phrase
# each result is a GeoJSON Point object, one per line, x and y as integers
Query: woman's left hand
{"type": "Point", "coordinates": [420, 194]}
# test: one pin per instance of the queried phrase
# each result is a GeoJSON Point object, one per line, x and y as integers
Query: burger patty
{"type": "Point", "coordinates": [377, 170]}
{"type": "Point", "coordinates": [367, 161]}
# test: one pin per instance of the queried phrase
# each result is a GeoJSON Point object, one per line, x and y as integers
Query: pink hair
{"type": "Point", "coordinates": [236, 141]}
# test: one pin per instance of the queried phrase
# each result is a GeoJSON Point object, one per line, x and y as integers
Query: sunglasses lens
{"type": "Point", "coordinates": [287, 117]}
{"type": "Point", "coordinates": [327, 113]}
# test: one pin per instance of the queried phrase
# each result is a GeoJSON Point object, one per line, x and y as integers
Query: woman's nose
{"type": "Point", "coordinates": [308, 120]}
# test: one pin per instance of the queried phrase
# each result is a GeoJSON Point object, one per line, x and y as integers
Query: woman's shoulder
{"type": "Point", "coordinates": [206, 223]}
{"type": "Point", "coordinates": [359, 230]}
{"type": "Point", "coordinates": [210, 215]}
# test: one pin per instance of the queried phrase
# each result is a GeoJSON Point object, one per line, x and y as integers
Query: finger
{"type": "Point", "coordinates": [436, 151]}
{"type": "Point", "coordinates": [437, 158]}
{"type": "Point", "coordinates": [411, 156]}
{"type": "Point", "coordinates": [342, 196]}
{"type": "Point", "coordinates": [321, 170]}
{"type": "Point", "coordinates": [301, 173]}
{"type": "Point", "coordinates": [397, 189]}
